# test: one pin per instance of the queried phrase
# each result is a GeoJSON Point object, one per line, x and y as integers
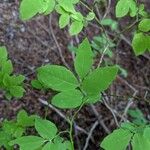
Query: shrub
{"type": "Point", "coordinates": [84, 85]}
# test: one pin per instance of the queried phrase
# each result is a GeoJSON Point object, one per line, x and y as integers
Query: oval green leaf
{"type": "Point", "coordinates": [57, 78]}
{"type": "Point", "coordinates": [84, 59]}
{"type": "Point", "coordinates": [28, 142]}
{"type": "Point", "coordinates": [68, 99]}
{"type": "Point", "coordinates": [99, 80]}
{"type": "Point", "coordinates": [45, 128]}
{"type": "Point", "coordinates": [118, 140]}
{"type": "Point", "coordinates": [144, 25]}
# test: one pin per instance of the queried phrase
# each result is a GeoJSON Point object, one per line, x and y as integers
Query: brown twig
{"type": "Point", "coordinates": [57, 44]}
{"type": "Point", "coordinates": [90, 134]}
{"type": "Point", "coordinates": [99, 117]}
{"type": "Point", "coordinates": [60, 114]}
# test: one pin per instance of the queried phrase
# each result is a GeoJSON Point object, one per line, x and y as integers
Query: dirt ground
{"type": "Point", "coordinates": [31, 44]}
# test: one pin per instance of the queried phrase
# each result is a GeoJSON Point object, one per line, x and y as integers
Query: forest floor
{"type": "Point", "coordinates": [31, 44]}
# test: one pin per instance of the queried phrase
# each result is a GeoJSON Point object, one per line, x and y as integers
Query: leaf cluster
{"type": "Point", "coordinates": [65, 8]}
{"type": "Point", "coordinates": [76, 89]}
{"type": "Point", "coordinates": [103, 44]}
{"type": "Point", "coordinates": [15, 128]}
{"type": "Point", "coordinates": [11, 84]}
{"type": "Point", "coordinates": [123, 8]}
{"type": "Point", "coordinates": [136, 133]}
{"type": "Point", "coordinates": [141, 39]}
{"type": "Point", "coordinates": [120, 138]}
{"type": "Point", "coordinates": [48, 138]}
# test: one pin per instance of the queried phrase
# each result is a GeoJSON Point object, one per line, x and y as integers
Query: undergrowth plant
{"type": "Point", "coordinates": [84, 85]}
{"type": "Point", "coordinates": [141, 39]}
{"type": "Point", "coordinates": [10, 130]}
{"type": "Point", "coordinates": [135, 134]}
{"type": "Point", "coordinates": [11, 84]}
{"type": "Point", "coordinates": [48, 138]}
{"type": "Point", "coordinates": [74, 90]}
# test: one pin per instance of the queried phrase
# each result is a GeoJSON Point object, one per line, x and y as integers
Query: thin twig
{"type": "Point", "coordinates": [127, 83]}
{"type": "Point", "coordinates": [90, 134]}
{"type": "Point", "coordinates": [107, 10]}
{"type": "Point", "coordinates": [98, 12]}
{"type": "Point", "coordinates": [129, 104]}
{"type": "Point", "coordinates": [99, 117]}
{"type": "Point", "coordinates": [77, 138]}
{"type": "Point", "coordinates": [111, 110]}
{"type": "Point", "coordinates": [57, 44]}
{"type": "Point", "coordinates": [60, 114]}
{"type": "Point", "coordinates": [53, 108]}
{"type": "Point", "coordinates": [102, 56]}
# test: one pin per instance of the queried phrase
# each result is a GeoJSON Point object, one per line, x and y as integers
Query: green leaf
{"type": "Point", "coordinates": [13, 80]}
{"type": "Point", "coordinates": [90, 16]}
{"type": "Point", "coordinates": [76, 28]}
{"type": "Point", "coordinates": [142, 11]}
{"type": "Point", "coordinates": [49, 146]}
{"type": "Point", "coordinates": [138, 116]}
{"type": "Point", "coordinates": [67, 145]}
{"type": "Point", "coordinates": [60, 144]}
{"type": "Point", "coordinates": [19, 132]}
{"type": "Point", "coordinates": [148, 42]}
{"type": "Point", "coordinates": [123, 71]}
{"type": "Point", "coordinates": [99, 43]}
{"type": "Point", "coordinates": [139, 142]}
{"type": "Point", "coordinates": [67, 5]}
{"type": "Point", "coordinates": [77, 16]}
{"type": "Point", "coordinates": [144, 25]}
{"type": "Point", "coordinates": [24, 120]}
{"type": "Point", "coordinates": [68, 99]}
{"type": "Point", "coordinates": [17, 91]}
{"type": "Point", "coordinates": [64, 20]}
{"type": "Point", "coordinates": [28, 142]}
{"type": "Point", "coordinates": [146, 133]}
{"type": "Point", "coordinates": [118, 140]}
{"type": "Point", "coordinates": [30, 8]}
{"type": "Point", "coordinates": [9, 127]}
{"type": "Point", "coordinates": [91, 99]}
{"type": "Point", "coordinates": [45, 128]}
{"type": "Point", "coordinates": [18, 79]}
{"type": "Point", "coordinates": [8, 96]}
{"type": "Point", "coordinates": [139, 43]}
{"type": "Point", "coordinates": [60, 10]}
{"type": "Point", "coordinates": [128, 126]}
{"type": "Point", "coordinates": [57, 77]}
{"type": "Point", "coordinates": [72, 48]}
{"type": "Point", "coordinates": [13, 129]}
{"type": "Point", "coordinates": [122, 8]}
{"type": "Point", "coordinates": [74, 1]}
{"type": "Point", "coordinates": [84, 59]}
{"type": "Point", "coordinates": [107, 22]}
{"type": "Point", "coordinates": [7, 67]}
{"type": "Point", "coordinates": [36, 84]}
{"type": "Point", "coordinates": [99, 80]}
{"type": "Point", "coordinates": [7, 80]}
{"type": "Point", "coordinates": [50, 6]}
{"type": "Point", "coordinates": [133, 8]}
{"type": "Point", "coordinates": [4, 140]}
{"type": "Point", "coordinates": [3, 53]}
{"type": "Point", "coordinates": [114, 25]}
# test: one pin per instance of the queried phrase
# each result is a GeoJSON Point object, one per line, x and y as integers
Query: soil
{"type": "Point", "coordinates": [30, 45]}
